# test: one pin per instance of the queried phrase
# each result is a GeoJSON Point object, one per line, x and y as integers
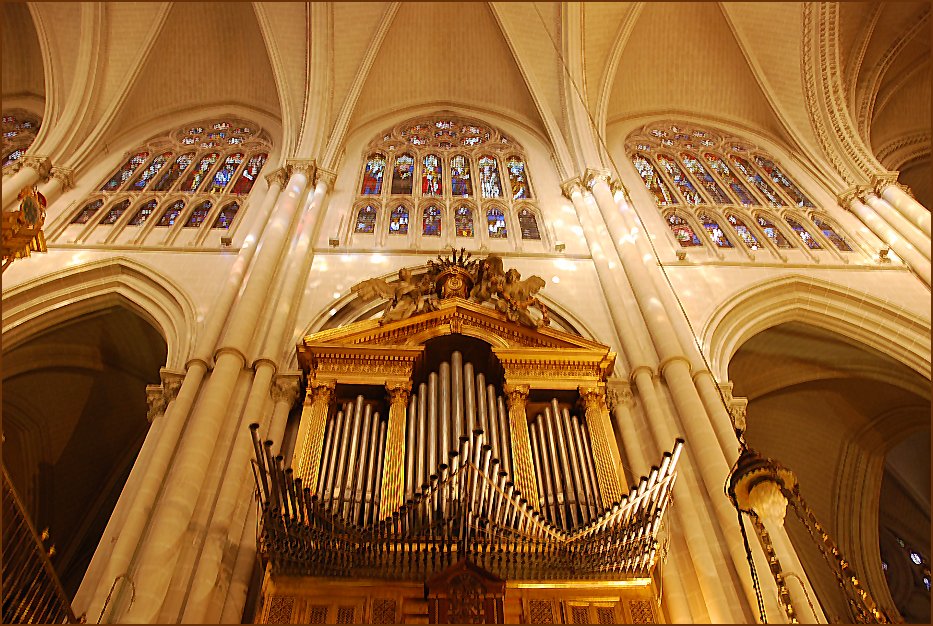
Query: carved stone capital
{"type": "Point", "coordinates": [306, 166]}
{"type": "Point", "coordinates": [326, 176]}
{"type": "Point", "coordinates": [592, 397]}
{"type": "Point", "coordinates": [618, 393]}
{"type": "Point", "coordinates": [279, 176]}
{"type": "Point", "coordinates": [845, 197]}
{"type": "Point", "coordinates": [65, 175]}
{"type": "Point", "coordinates": [42, 164]}
{"type": "Point", "coordinates": [882, 180]}
{"type": "Point", "coordinates": [285, 389]}
{"type": "Point", "coordinates": [592, 176]}
{"type": "Point", "coordinates": [399, 392]}
{"type": "Point", "coordinates": [572, 185]}
{"type": "Point", "coordinates": [155, 398]}
{"type": "Point", "coordinates": [320, 391]}
{"type": "Point", "coordinates": [517, 394]}
{"type": "Point", "coordinates": [171, 383]}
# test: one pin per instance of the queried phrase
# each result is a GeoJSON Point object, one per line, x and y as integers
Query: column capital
{"type": "Point", "coordinates": [42, 164]}
{"type": "Point", "coordinates": [65, 175]}
{"type": "Point", "coordinates": [279, 176]}
{"type": "Point", "coordinates": [592, 175]}
{"type": "Point", "coordinates": [320, 390]}
{"type": "Point", "coordinates": [156, 400]}
{"type": "Point", "coordinates": [592, 397]}
{"type": "Point", "coordinates": [285, 388]}
{"type": "Point", "coordinates": [882, 180]}
{"type": "Point", "coordinates": [516, 394]}
{"type": "Point", "coordinates": [399, 392]}
{"type": "Point", "coordinates": [325, 176]}
{"type": "Point", "coordinates": [171, 382]}
{"type": "Point", "coordinates": [618, 393]}
{"type": "Point", "coordinates": [846, 196]}
{"type": "Point", "coordinates": [308, 167]}
{"type": "Point", "coordinates": [571, 185]}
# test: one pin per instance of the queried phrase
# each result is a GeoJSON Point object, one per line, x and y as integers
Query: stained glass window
{"type": "Point", "coordinates": [366, 220]}
{"type": "Point", "coordinates": [87, 212]}
{"type": "Point", "coordinates": [740, 190]}
{"type": "Point", "coordinates": [489, 177]}
{"type": "Point", "coordinates": [224, 175]}
{"type": "Point", "coordinates": [431, 222]}
{"type": "Point", "coordinates": [804, 234]}
{"type": "Point", "coordinates": [12, 156]}
{"type": "Point", "coordinates": [528, 224]}
{"type": "Point", "coordinates": [517, 178]}
{"type": "Point", "coordinates": [144, 212]}
{"type": "Point", "coordinates": [495, 222]}
{"type": "Point", "coordinates": [171, 214]}
{"type": "Point", "coordinates": [750, 241]}
{"type": "Point", "coordinates": [250, 173]}
{"type": "Point", "coordinates": [773, 233]}
{"type": "Point", "coordinates": [460, 182]}
{"type": "Point", "coordinates": [226, 215]}
{"type": "Point", "coordinates": [753, 177]}
{"type": "Point", "coordinates": [832, 235]}
{"type": "Point", "coordinates": [706, 180]}
{"type": "Point", "coordinates": [431, 176]}
{"type": "Point", "coordinates": [125, 172]}
{"type": "Point", "coordinates": [115, 212]}
{"type": "Point", "coordinates": [463, 221]}
{"type": "Point", "coordinates": [653, 182]}
{"type": "Point", "coordinates": [200, 172]}
{"type": "Point", "coordinates": [714, 231]}
{"type": "Point", "coordinates": [19, 132]}
{"type": "Point", "coordinates": [372, 175]}
{"type": "Point", "coordinates": [150, 171]}
{"type": "Point", "coordinates": [402, 174]}
{"type": "Point", "coordinates": [398, 221]}
{"type": "Point", "coordinates": [778, 177]}
{"type": "Point", "coordinates": [199, 214]}
{"type": "Point", "coordinates": [174, 172]}
{"type": "Point", "coordinates": [687, 190]}
{"type": "Point", "coordinates": [682, 232]}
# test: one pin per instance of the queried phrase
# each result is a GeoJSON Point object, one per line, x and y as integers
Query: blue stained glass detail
{"type": "Point", "coordinates": [226, 216]}
{"type": "Point", "coordinates": [687, 190]}
{"type": "Point", "coordinates": [398, 221]}
{"type": "Point", "coordinates": [372, 175]}
{"type": "Point", "coordinates": [495, 222]}
{"type": "Point", "coordinates": [740, 190]}
{"type": "Point", "coordinates": [715, 232]}
{"type": "Point", "coordinates": [804, 234]}
{"type": "Point", "coordinates": [431, 222]}
{"type": "Point", "coordinates": [682, 232]}
{"type": "Point", "coordinates": [708, 183]}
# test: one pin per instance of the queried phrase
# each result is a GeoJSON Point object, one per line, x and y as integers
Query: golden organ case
{"type": "Point", "coordinates": [455, 463]}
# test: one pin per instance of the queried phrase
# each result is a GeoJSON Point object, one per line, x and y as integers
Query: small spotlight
{"type": "Point", "coordinates": [333, 242]}
{"type": "Point", "coordinates": [226, 241]}
{"type": "Point", "coordinates": [559, 246]}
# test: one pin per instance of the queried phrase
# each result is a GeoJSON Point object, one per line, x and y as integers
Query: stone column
{"type": "Point", "coordinates": [900, 224]}
{"type": "Point", "coordinates": [284, 394]}
{"type": "Point", "coordinates": [887, 234]}
{"type": "Point", "coordinates": [907, 205]}
{"type": "Point", "coordinates": [608, 464]}
{"type": "Point", "coordinates": [307, 457]}
{"type": "Point", "coordinates": [522, 465]}
{"type": "Point", "coordinates": [32, 169]}
{"type": "Point", "coordinates": [393, 467]}
{"type": "Point", "coordinates": [770, 505]}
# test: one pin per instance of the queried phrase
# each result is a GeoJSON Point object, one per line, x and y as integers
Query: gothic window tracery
{"type": "Point", "coordinates": [19, 131]}
{"type": "Point", "coordinates": [213, 163]}
{"type": "Point", "coordinates": [678, 162]}
{"type": "Point", "coordinates": [471, 173]}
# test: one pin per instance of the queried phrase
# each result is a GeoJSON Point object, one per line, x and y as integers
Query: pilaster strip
{"type": "Point", "coordinates": [607, 460]}
{"type": "Point", "coordinates": [522, 466]}
{"type": "Point", "coordinates": [393, 467]}
{"type": "Point", "coordinates": [313, 420]}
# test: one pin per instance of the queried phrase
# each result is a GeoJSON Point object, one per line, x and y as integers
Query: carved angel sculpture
{"type": "Point", "coordinates": [517, 295]}
{"type": "Point", "coordinates": [490, 279]}
{"type": "Point", "coordinates": [406, 297]}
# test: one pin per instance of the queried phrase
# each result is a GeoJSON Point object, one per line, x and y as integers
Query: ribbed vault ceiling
{"type": "Point", "coordinates": [23, 74]}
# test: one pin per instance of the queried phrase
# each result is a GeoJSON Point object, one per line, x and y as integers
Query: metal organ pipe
{"type": "Point", "coordinates": [421, 475]}
{"type": "Point", "coordinates": [590, 464]}
{"type": "Point", "coordinates": [369, 492]}
{"type": "Point", "coordinates": [570, 490]}
{"type": "Point", "coordinates": [433, 431]}
{"type": "Point", "coordinates": [469, 401]}
{"type": "Point", "coordinates": [560, 494]}
{"type": "Point", "coordinates": [411, 427]}
{"type": "Point", "coordinates": [456, 397]}
{"type": "Point", "coordinates": [380, 460]}
{"type": "Point", "coordinates": [505, 449]}
{"type": "Point", "coordinates": [492, 418]}
{"type": "Point", "coordinates": [551, 500]}
{"type": "Point", "coordinates": [591, 504]}
{"type": "Point", "coordinates": [357, 463]}
{"type": "Point", "coordinates": [479, 394]}
{"type": "Point", "coordinates": [444, 445]}
{"type": "Point", "coordinates": [341, 477]}
{"type": "Point", "coordinates": [333, 425]}
{"type": "Point", "coordinates": [536, 460]}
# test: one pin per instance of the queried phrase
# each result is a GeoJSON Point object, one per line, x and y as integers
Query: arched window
{"type": "Point", "coordinates": [398, 221]}
{"type": "Point", "coordinates": [495, 223]}
{"type": "Point", "coordinates": [460, 183]}
{"type": "Point", "coordinates": [200, 172]}
{"type": "Point", "coordinates": [199, 214]}
{"type": "Point", "coordinates": [226, 216]}
{"type": "Point", "coordinates": [431, 178]}
{"type": "Point", "coordinates": [489, 177]}
{"type": "Point", "coordinates": [778, 177]}
{"type": "Point", "coordinates": [86, 213]}
{"type": "Point", "coordinates": [686, 188]}
{"type": "Point", "coordinates": [750, 241]}
{"type": "Point", "coordinates": [431, 222]}
{"type": "Point", "coordinates": [463, 221]}
{"type": "Point", "coordinates": [518, 181]}
{"type": "Point", "coordinates": [372, 175]}
{"type": "Point", "coordinates": [653, 182]}
{"type": "Point", "coordinates": [528, 224]}
{"type": "Point", "coordinates": [773, 233]}
{"type": "Point", "coordinates": [19, 131]}
{"type": "Point", "coordinates": [115, 212]}
{"type": "Point", "coordinates": [225, 174]}
{"type": "Point", "coordinates": [756, 180]}
{"type": "Point", "coordinates": [171, 213]}
{"type": "Point", "coordinates": [708, 183]}
{"type": "Point", "coordinates": [174, 172]}
{"type": "Point", "coordinates": [832, 235]}
{"type": "Point", "coordinates": [725, 174]}
{"type": "Point", "coordinates": [144, 212]}
{"type": "Point", "coordinates": [365, 220]}
{"type": "Point", "coordinates": [153, 168]}
{"type": "Point", "coordinates": [714, 231]}
{"type": "Point", "coordinates": [250, 173]}
{"type": "Point", "coordinates": [682, 231]}
{"type": "Point", "coordinates": [402, 174]}
{"type": "Point", "coordinates": [804, 234]}
{"type": "Point", "coordinates": [450, 156]}
{"type": "Point", "coordinates": [117, 180]}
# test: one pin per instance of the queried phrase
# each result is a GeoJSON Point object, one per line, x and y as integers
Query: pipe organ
{"type": "Point", "coordinates": [455, 443]}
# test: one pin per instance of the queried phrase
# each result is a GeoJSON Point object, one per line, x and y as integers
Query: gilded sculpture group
{"type": "Point", "coordinates": [485, 282]}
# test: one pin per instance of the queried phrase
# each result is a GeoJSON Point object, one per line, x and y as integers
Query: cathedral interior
{"type": "Point", "coordinates": [469, 312]}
